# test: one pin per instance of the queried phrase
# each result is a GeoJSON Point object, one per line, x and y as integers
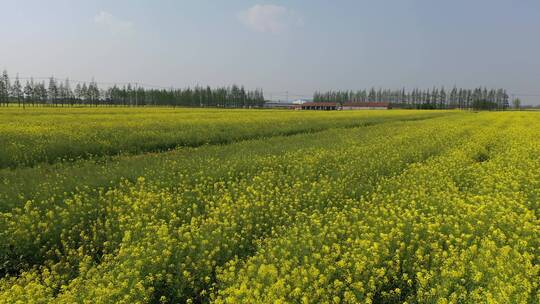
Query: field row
{"type": "Point", "coordinates": [37, 135]}
{"type": "Point", "coordinates": [459, 228]}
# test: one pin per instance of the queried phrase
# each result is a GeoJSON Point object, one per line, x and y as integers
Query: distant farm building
{"type": "Point", "coordinates": [325, 106]}
{"type": "Point", "coordinates": [328, 106]}
{"type": "Point", "coordinates": [365, 106]}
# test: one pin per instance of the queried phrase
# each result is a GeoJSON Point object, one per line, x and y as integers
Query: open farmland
{"type": "Point", "coordinates": [122, 205]}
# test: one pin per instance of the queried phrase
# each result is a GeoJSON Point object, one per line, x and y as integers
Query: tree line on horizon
{"type": "Point", "coordinates": [60, 93]}
{"type": "Point", "coordinates": [457, 98]}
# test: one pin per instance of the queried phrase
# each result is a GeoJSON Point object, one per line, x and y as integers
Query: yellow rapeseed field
{"type": "Point", "coordinates": [119, 205]}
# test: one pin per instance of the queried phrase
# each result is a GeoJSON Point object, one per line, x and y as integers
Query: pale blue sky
{"type": "Point", "coordinates": [295, 46]}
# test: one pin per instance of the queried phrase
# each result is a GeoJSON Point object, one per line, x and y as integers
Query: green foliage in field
{"type": "Point", "coordinates": [416, 209]}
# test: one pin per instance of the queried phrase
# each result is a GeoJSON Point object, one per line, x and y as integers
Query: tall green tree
{"type": "Point", "coordinates": [52, 91]}
{"type": "Point", "coordinates": [16, 90]}
{"type": "Point", "coordinates": [3, 92]}
{"type": "Point", "coordinates": [6, 87]}
{"type": "Point", "coordinates": [442, 99]}
{"type": "Point", "coordinates": [29, 94]}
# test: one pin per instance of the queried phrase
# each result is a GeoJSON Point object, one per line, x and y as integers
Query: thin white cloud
{"type": "Point", "coordinates": [111, 23]}
{"type": "Point", "coordinates": [269, 18]}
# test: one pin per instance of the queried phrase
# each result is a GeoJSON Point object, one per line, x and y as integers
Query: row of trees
{"type": "Point", "coordinates": [60, 93]}
{"type": "Point", "coordinates": [456, 98]}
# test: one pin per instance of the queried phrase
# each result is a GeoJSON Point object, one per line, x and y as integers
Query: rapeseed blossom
{"type": "Point", "coordinates": [441, 210]}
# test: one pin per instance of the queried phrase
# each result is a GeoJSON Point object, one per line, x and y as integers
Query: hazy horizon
{"type": "Point", "coordinates": [280, 46]}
